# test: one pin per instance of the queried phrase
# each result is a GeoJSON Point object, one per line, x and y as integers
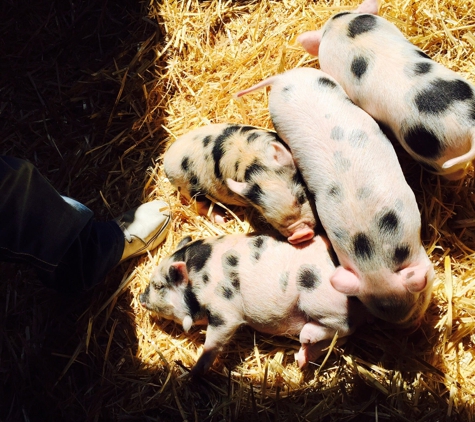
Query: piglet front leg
{"type": "Point", "coordinates": [218, 334]}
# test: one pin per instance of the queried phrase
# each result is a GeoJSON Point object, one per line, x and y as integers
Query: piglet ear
{"type": "Point", "coordinates": [183, 242]}
{"type": "Point", "coordinates": [415, 278]}
{"type": "Point", "coordinates": [310, 41]}
{"type": "Point", "coordinates": [243, 189]}
{"type": "Point", "coordinates": [368, 6]}
{"type": "Point", "coordinates": [178, 272]}
{"type": "Point", "coordinates": [237, 187]}
{"type": "Point", "coordinates": [281, 154]}
{"type": "Point", "coordinates": [345, 282]}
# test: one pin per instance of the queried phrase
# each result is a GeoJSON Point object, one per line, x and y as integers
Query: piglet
{"type": "Point", "coordinates": [362, 199]}
{"type": "Point", "coordinates": [246, 166]}
{"type": "Point", "coordinates": [269, 284]}
{"type": "Point", "coordinates": [429, 109]}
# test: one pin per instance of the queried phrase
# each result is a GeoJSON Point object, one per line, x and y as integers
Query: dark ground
{"type": "Point", "coordinates": [65, 90]}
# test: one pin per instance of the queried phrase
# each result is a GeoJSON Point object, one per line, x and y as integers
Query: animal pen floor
{"type": "Point", "coordinates": [91, 93]}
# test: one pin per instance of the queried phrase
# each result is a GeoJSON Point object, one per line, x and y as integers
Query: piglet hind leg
{"type": "Point", "coordinates": [217, 215]}
{"type": "Point", "coordinates": [314, 338]}
{"type": "Point", "coordinates": [311, 352]}
{"type": "Point", "coordinates": [216, 338]}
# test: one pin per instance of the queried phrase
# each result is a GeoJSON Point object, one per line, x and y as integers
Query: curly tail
{"type": "Point", "coordinates": [262, 84]}
{"type": "Point", "coordinates": [465, 158]}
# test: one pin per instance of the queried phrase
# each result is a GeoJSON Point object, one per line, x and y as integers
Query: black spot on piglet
{"type": "Point", "coordinates": [215, 319]}
{"type": "Point", "coordinates": [185, 163]}
{"type": "Point", "coordinates": [235, 279]}
{"type": "Point", "coordinates": [337, 133]}
{"type": "Point", "coordinates": [252, 137]}
{"type": "Point", "coordinates": [308, 277]}
{"type": "Point", "coordinates": [361, 24]}
{"type": "Point", "coordinates": [257, 245]}
{"type": "Point", "coordinates": [323, 81]}
{"type": "Point", "coordinates": [258, 241]}
{"type": "Point", "coordinates": [359, 66]}
{"type": "Point", "coordinates": [192, 303]}
{"type": "Point", "coordinates": [440, 94]}
{"type": "Point", "coordinates": [254, 194]}
{"type": "Point", "coordinates": [401, 253]}
{"type": "Point", "coordinates": [423, 142]}
{"type": "Point", "coordinates": [232, 260]}
{"type": "Point", "coordinates": [197, 255]}
{"type": "Point", "coordinates": [252, 170]}
{"type": "Point", "coordinates": [219, 147]}
{"type": "Point", "coordinates": [363, 246]}
{"type": "Point", "coordinates": [227, 292]}
{"type": "Point", "coordinates": [335, 192]}
{"type": "Point", "coordinates": [422, 68]}
{"type": "Point", "coordinates": [389, 222]}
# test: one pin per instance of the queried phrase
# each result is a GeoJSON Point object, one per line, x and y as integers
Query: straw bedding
{"type": "Point", "coordinates": [93, 95]}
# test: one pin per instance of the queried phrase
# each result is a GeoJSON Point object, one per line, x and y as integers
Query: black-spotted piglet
{"type": "Point", "coordinates": [242, 165]}
{"type": "Point", "coordinates": [271, 285]}
{"type": "Point", "coordinates": [429, 108]}
{"type": "Point", "coordinates": [364, 204]}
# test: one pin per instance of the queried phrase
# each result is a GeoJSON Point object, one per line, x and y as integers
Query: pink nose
{"type": "Point", "coordinates": [142, 300]}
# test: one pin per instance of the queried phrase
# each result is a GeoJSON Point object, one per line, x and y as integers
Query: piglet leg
{"type": "Point", "coordinates": [313, 338]}
{"type": "Point", "coordinates": [216, 337]}
{"type": "Point", "coordinates": [311, 352]}
{"type": "Point", "coordinates": [218, 215]}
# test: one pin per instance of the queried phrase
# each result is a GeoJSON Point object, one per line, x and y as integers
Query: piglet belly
{"type": "Point", "coordinates": [288, 325]}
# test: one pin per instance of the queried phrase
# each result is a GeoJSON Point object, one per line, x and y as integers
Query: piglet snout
{"type": "Point", "coordinates": [143, 298]}
{"type": "Point", "coordinates": [301, 235]}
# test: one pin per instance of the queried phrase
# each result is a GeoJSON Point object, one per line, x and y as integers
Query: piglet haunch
{"type": "Point", "coordinates": [429, 108]}
{"type": "Point", "coordinates": [242, 165]}
{"type": "Point", "coordinates": [363, 202]}
{"type": "Point", "coordinates": [271, 285]}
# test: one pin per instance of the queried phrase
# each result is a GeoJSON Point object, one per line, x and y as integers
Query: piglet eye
{"type": "Point", "coordinates": [301, 198]}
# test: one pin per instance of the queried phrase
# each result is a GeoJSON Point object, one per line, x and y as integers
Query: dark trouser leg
{"type": "Point", "coordinates": [70, 250]}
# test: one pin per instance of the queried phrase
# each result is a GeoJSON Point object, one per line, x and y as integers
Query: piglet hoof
{"type": "Point", "coordinates": [203, 363]}
{"type": "Point", "coordinates": [199, 369]}
{"type": "Point", "coordinates": [218, 218]}
{"type": "Point", "coordinates": [192, 374]}
{"type": "Point", "coordinates": [217, 215]}
{"type": "Point", "coordinates": [195, 373]}
{"type": "Point", "coordinates": [301, 357]}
